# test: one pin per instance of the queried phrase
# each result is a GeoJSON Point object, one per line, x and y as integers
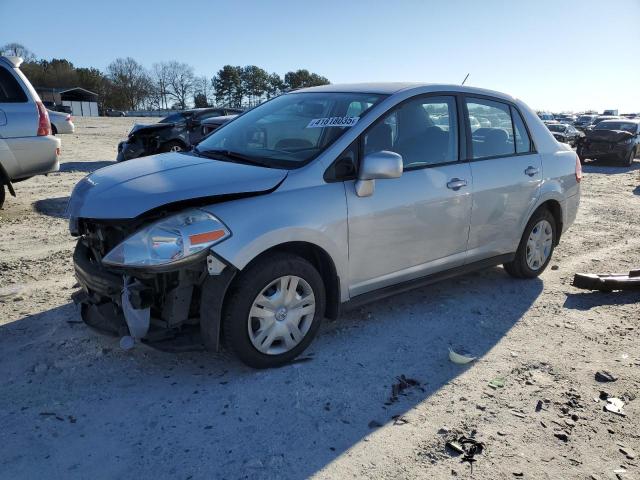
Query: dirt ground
{"type": "Point", "coordinates": [73, 405]}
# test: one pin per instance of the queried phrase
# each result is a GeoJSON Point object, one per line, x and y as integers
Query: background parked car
{"type": "Point", "coordinates": [110, 112]}
{"type": "Point", "coordinates": [584, 121]}
{"type": "Point", "coordinates": [211, 124]}
{"type": "Point", "coordinates": [175, 133]}
{"type": "Point", "coordinates": [61, 122]}
{"type": "Point", "coordinates": [26, 145]}
{"type": "Point", "coordinates": [612, 139]}
{"type": "Point", "coordinates": [565, 133]}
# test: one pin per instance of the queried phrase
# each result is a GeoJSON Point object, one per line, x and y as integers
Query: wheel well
{"type": "Point", "coordinates": [321, 260]}
{"type": "Point", "coordinates": [556, 210]}
{"type": "Point", "coordinates": [175, 140]}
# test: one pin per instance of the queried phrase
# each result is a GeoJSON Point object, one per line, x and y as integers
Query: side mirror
{"type": "Point", "coordinates": [377, 165]}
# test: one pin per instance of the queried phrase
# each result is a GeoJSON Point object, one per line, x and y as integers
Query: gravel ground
{"type": "Point", "coordinates": [73, 405]}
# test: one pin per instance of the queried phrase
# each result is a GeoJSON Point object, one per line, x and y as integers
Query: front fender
{"type": "Point", "coordinates": [316, 215]}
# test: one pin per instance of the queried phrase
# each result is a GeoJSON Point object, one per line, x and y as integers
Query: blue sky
{"type": "Point", "coordinates": [553, 54]}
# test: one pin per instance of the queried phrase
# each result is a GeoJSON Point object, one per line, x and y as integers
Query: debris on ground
{"type": "Point", "coordinates": [467, 447]}
{"type": "Point", "coordinates": [497, 382]}
{"type": "Point", "coordinates": [607, 283]}
{"type": "Point", "coordinates": [374, 424]}
{"type": "Point", "coordinates": [604, 376]}
{"type": "Point", "coordinates": [615, 405]}
{"type": "Point", "coordinates": [461, 357]}
{"type": "Point", "coordinates": [403, 383]}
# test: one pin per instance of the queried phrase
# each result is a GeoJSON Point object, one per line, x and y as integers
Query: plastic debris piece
{"type": "Point", "coordinates": [497, 382]}
{"type": "Point", "coordinates": [604, 376]}
{"type": "Point", "coordinates": [455, 447]}
{"type": "Point", "coordinates": [615, 405]}
{"type": "Point", "coordinates": [138, 319]}
{"type": "Point", "coordinates": [461, 358]}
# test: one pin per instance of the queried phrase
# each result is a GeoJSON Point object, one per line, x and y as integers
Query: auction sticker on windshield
{"type": "Point", "coordinates": [333, 122]}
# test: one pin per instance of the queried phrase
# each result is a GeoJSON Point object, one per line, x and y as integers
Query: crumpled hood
{"type": "Point", "coordinates": [129, 189]}
{"type": "Point", "coordinates": [142, 128]}
{"type": "Point", "coordinates": [608, 135]}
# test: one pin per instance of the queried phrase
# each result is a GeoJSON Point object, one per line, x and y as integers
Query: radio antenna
{"type": "Point", "coordinates": [465, 79]}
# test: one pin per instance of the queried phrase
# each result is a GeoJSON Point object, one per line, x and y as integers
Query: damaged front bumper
{"type": "Point", "coordinates": [151, 306]}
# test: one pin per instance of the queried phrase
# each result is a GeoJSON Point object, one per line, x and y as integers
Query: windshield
{"type": "Point", "coordinates": [173, 118]}
{"type": "Point", "coordinates": [585, 118]}
{"type": "Point", "coordinates": [290, 130]}
{"type": "Point", "coordinates": [557, 128]}
{"type": "Point", "coordinates": [624, 126]}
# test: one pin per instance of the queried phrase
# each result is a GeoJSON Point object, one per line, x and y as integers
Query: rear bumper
{"type": "Point", "coordinates": [32, 156]}
{"type": "Point", "coordinates": [65, 127]}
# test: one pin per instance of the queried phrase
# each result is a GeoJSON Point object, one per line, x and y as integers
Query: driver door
{"type": "Point", "coordinates": [417, 224]}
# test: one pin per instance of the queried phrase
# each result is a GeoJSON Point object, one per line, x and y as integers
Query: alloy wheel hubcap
{"type": "Point", "coordinates": [281, 315]}
{"type": "Point", "coordinates": [539, 244]}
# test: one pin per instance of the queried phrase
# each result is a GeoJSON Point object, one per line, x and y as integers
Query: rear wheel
{"type": "Point", "coordinates": [54, 130]}
{"type": "Point", "coordinates": [536, 247]}
{"type": "Point", "coordinates": [274, 311]}
{"type": "Point", "coordinates": [2, 195]}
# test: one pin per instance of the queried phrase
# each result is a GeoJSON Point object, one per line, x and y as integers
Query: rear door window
{"type": "Point", "coordinates": [523, 142]}
{"type": "Point", "coordinates": [495, 137]}
{"type": "Point", "coordinates": [10, 89]}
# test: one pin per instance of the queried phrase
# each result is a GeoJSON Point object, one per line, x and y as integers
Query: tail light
{"type": "Point", "coordinates": [578, 169]}
{"type": "Point", "coordinates": [44, 125]}
{"type": "Point", "coordinates": [69, 118]}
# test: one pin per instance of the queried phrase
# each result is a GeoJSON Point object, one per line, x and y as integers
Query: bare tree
{"type": "Point", "coordinates": [180, 82]}
{"type": "Point", "coordinates": [18, 50]}
{"type": "Point", "coordinates": [160, 74]}
{"type": "Point", "coordinates": [131, 82]}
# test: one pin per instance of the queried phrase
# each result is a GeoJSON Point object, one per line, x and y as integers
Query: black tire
{"type": "Point", "coordinates": [173, 145]}
{"type": "Point", "coordinates": [2, 195]}
{"type": "Point", "coordinates": [54, 130]}
{"type": "Point", "coordinates": [242, 294]}
{"type": "Point", "coordinates": [628, 161]}
{"type": "Point", "coordinates": [518, 267]}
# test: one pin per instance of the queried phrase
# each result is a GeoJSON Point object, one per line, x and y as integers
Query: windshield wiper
{"type": "Point", "coordinates": [234, 156]}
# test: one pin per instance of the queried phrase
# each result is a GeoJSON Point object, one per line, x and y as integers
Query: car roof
{"type": "Point", "coordinates": [389, 88]}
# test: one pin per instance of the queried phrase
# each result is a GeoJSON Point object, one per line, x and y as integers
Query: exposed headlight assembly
{"type": "Point", "coordinates": [169, 240]}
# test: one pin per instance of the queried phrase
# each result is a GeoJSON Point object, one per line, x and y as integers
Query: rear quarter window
{"type": "Point", "coordinates": [10, 89]}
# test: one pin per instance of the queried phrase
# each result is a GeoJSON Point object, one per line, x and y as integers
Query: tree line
{"type": "Point", "coordinates": [128, 85]}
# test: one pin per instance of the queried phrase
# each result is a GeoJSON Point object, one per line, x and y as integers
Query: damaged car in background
{"type": "Point", "coordinates": [565, 133]}
{"type": "Point", "coordinates": [312, 202]}
{"type": "Point", "coordinates": [175, 133]}
{"type": "Point", "coordinates": [617, 140]}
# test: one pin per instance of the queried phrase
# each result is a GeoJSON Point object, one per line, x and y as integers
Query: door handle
{"type": "Point", "coordinates": [531, 171]}
{"type": "Point", "coordinates": [456, 183]}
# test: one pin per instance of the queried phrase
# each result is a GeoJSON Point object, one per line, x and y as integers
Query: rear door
{"type": "Point", "coordinates": [18, 120]}
{"type": "Point", "coordinates": [507, 174]}
{"type": "Point", "coordinates": [417, 224]}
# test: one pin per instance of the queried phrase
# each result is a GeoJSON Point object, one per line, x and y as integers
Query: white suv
{"type": "Point", "coordinates": [26, 145]}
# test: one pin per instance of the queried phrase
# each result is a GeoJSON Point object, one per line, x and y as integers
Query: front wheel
{"type": "Point", "coordinates": [536, 247]}
{"type": "Point", "coordinates": [628, 161]}
{"type": "Point", "coordinates": [172, 146]}
{"type": "Point", "coordinates": [274, 310]}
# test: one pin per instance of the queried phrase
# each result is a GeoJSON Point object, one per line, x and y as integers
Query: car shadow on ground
{"type": "Point", "coordinates": [609, 167]}
{"type": "Point", "coordinates": [76, 405]}
{"type": "Point", "coordinates": [589, 300]}
{"type": "Point", "coordinates": [85, 167]}
{"type": "Point", "coordinates": [52, 207]}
